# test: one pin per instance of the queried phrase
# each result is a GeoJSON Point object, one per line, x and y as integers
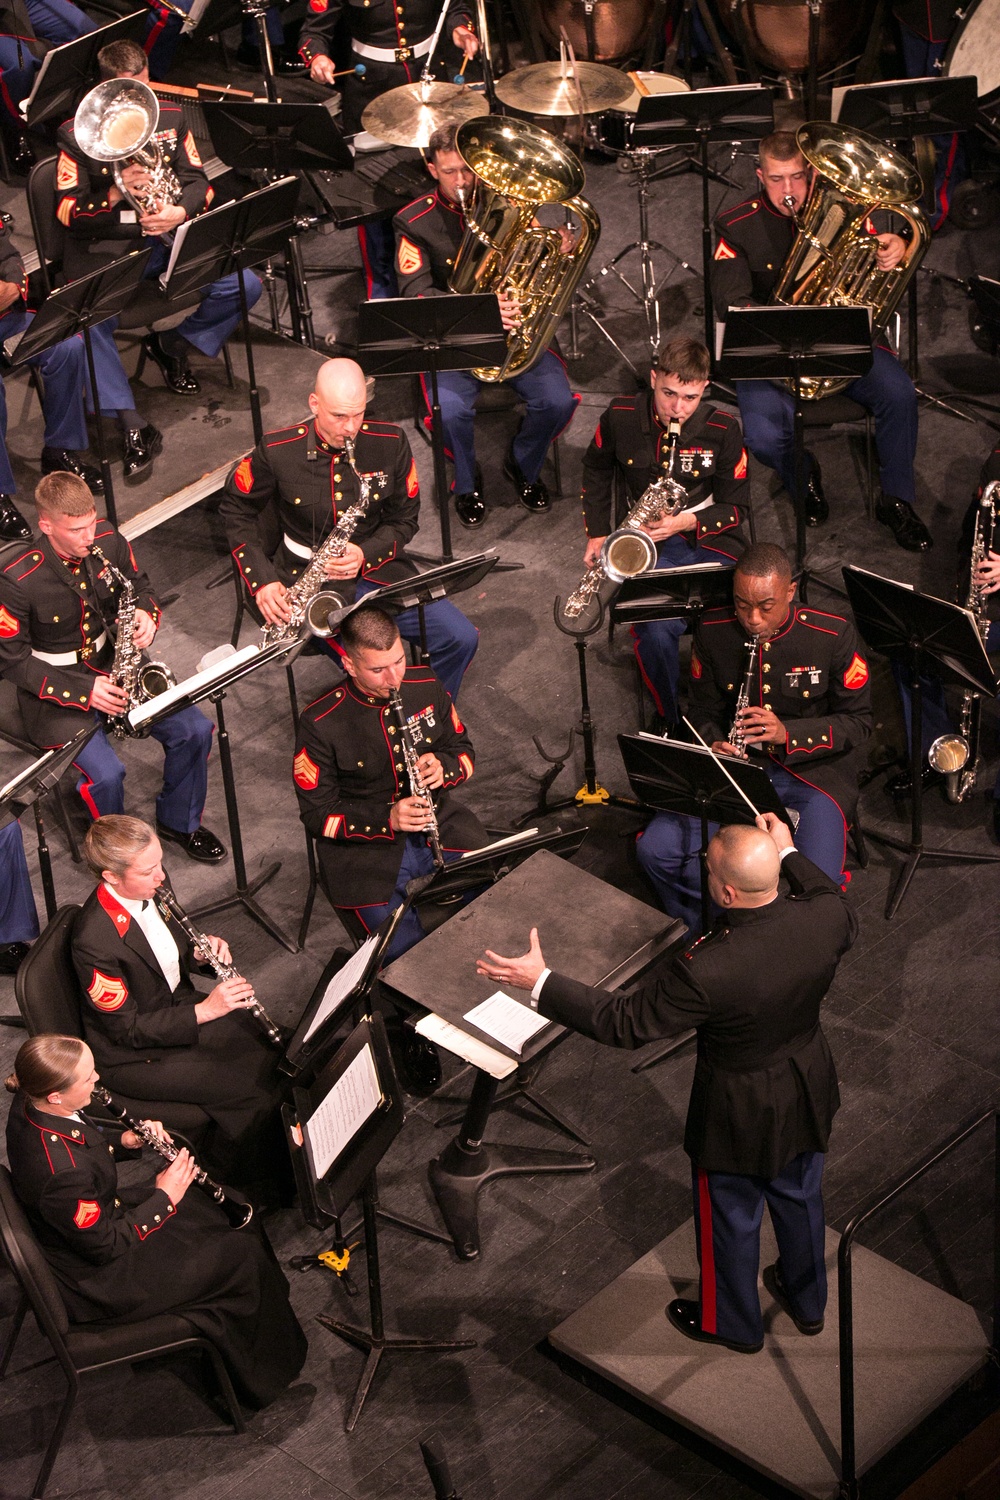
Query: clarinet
{"type": "Point", "coordinates": [431, 832]}
{"type": "Point", "coordinates": [169, 906]}
{"type": "Point", "coordinates": [239, 1214]}
{"type": "Point", "coordinates": [737, 735]}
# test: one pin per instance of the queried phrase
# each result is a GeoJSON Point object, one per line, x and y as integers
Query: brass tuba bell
{"type": "Point", "coordinates": [116, 122]}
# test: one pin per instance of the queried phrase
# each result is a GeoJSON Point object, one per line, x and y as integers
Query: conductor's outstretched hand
{"type": "Point", "coordinates": [521, 973]}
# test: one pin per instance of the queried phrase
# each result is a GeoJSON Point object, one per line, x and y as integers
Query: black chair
{"type": "Point", "coordinates": [47, 993]}
{"type": "Point", "coordinates": [81, 1348]}
{"type": "Point", "coordinates": [352, 924]}
{"type": "Point", "coordinates": [491, 400]}
{"type": "Point", "coordinates": [13, 732]}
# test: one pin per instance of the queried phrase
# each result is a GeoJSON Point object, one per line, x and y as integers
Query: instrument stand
{"type": "Point", "coordinates": [75, 309]}
{"type": "Point", "coordinates": [929, 637]}
{"type": "Point", "coordinates": [727, 114]}
{"type": "Point", "coordinates": [256, 10]}
{"type": "Point", "coordinates": [425, 335]}
{"type": "Point", "coordinates": [790, 343]}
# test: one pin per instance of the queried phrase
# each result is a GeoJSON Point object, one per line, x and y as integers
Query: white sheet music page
{"type": "Point", "coordinates": [353, 1099]}
{"type": "Point", "coordinates": [341, 985]}
{"type": "Point", "coordinates": [507, 1021]}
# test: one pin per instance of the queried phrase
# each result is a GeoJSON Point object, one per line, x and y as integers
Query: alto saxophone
{"type": "Point", "coordinates": [417, 789]}
{"type": "Point", "coordinates": [956, 756]}
{"type": "Point", "coordinates": [309, 602]}
{"type": "Point", "coordinates": [141, 680]}
{"type": "Point", "coordinates": [628, 551]}
{"type": "Point", "coordinates": [737, 735]}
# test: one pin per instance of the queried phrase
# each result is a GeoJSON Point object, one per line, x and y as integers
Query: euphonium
{"type": "Point", "coordinates": [518, 168]}
{"type": "Point", "coordinates": [116, 122]}
{"type": "Point", "coordinates": [832, 261]}
{"type": "Point", "coordinates": [956, 756]}
{"type": "Point", "coordinates": [141, 680]}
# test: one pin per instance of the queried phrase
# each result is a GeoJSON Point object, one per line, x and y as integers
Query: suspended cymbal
{"type": "Point", "coordinates": [409, 116]}
{"type": "Point", "coordinates": [542, 90]}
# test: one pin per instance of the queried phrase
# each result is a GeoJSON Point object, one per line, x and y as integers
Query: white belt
{"type": "Point", "coordinates": [393, 54]}
{"type": "Point", "coordinates": [296, 548]}
{"type": "Point", "coordinates": [70, 658]}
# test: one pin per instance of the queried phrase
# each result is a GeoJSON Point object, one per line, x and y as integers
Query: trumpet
{"type": "Point", "coordinates": [238, 1213]}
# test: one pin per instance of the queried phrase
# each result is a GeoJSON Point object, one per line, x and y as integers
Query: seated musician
{"type": "Point", "coordinates": [295, 471]}
{"type": "Point", "coordinates": [711, 465]}
{"type": "Point", "coordinates": [808, 717]}
{"type": "Point", "coordinates": [391, 43]}
{"type": "Point", "coordinates": [154, 1035]}
{"type": "Point", "coordinates": [124, 1253]}
{"type": "Point", "coordinates": [352, 784]}
{"type": "Point", "coordinates": [101, 225]}
{"type": "Point", "coordinates": [56, 607]}
{"type": "Point", "coordinates": [753, 240]}
{"type": "Point", "coordinates": [428, 234]}
{"type": "Point", "coordinates": [18, 916]}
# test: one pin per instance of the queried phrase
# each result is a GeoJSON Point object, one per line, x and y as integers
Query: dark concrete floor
{"type": "Point", "coordinates": [912, 1015]}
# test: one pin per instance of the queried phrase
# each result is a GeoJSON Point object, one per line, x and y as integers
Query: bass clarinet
{"type": "Point", "coordinates": [737, 735]}
{"type": "Point", "coordinates": [169, 906]}
{"type": "Point", "coordinates": [411, 756]}
{"type": "Point", "coordinates": [239, 1214]}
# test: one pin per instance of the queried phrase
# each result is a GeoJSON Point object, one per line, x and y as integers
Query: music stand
{"type": "Point", "coordinates": [69, 71]}
{"type": "Point", "coordinates": [782, 343]}
{"type": "Point", "coordinates": [422, 589]}
{"type": "Point", "coordinates": [75, 309]}
{"type": "Point", "coordinates": [425, 335]}
{"type": "Point", "coordinates": [926, 636]}
{"type": "Point", "coordinates": [213, 679]}
{"type": "Point", "coordinates": [225, 241]}
{"type": "Point", "coordinates": [673, 594]}
{"type": "Point", "coordinates": [339, 1131]}
{"type": "Point", "coordinates": [695, 119]}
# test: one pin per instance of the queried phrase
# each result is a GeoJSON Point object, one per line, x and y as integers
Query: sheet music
{"type": "Point", "coordinates": [180, 235]}
{"type": "Point", "coordinates": [353, 1099]}
{"type": "Point", "coordinates": [507, 1021]}
{"type": "Point", "coordinates": [190, 684]}
{"type": "Point", "coordinates": [514, 838]}
{"type": "Point", "coordinates": [341, 985]}
{"type": "Point", "coordinates": [882, 579]}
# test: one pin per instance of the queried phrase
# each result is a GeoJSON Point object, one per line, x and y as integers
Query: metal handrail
{"type": "Point", "coordinates": [848, 1450]}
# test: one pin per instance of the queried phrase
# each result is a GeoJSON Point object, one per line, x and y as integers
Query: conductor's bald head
{"type": "Point", "coordinates": [338, 400]}
{"type": "Point", "coordinates": [743, 867]}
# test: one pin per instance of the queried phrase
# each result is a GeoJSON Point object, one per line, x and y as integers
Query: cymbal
{"type": "Point", "coordinates": [409, 116]}
{"type": "Point", "coordinates": [541, 88]}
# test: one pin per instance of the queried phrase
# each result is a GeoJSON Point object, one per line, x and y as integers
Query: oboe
{"type": "Point", "coordinates": [410, 755]}
{"type": "Point", "coordinates": [239, 1214]}
{"type": "Point", "coordinates": [169, 906]}
{"type": "Point", "coordinates": [737, 735]}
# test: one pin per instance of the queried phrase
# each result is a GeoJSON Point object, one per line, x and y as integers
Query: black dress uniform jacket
{"type": "Point", "coordinates": [711, 462]}
{"type": "Point", "coordinates": [96, 231]}
{"type": "Point", "coordinates": [812, 674]}
{"type": "Point", "coordinates": [349, 770]}
{"type": "Point", "coordinates": [11, 264]}
{"type": "Point", "coordinates": [765, 1085]}
{"type": "Point", "coordinates": [428, 233]}
{"type": "Point", "coordinates": [116, 1259]}
{"type": "Point", "coordinates": [295, 477]}
{"type": "Point", "coordinates": [53, 606]}
{"type": "Point", "coordinates": [147, 1042]}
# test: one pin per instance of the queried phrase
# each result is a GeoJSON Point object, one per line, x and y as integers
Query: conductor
{"type": "Point", "coordinates": [765, 1086]}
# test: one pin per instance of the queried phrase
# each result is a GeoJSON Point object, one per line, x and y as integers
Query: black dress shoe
{"type": "Point", "coordinates": [470, 508]}
{"type": "Point", "coordinates": [774, 1284]}
{"type": "Point", "coordinates": [686, 1318]}
{"type": "Point", "coordinates": [173, 367]}
{"type": "Point", "coordinates": [13, 526]}
{"type": "Point", "coordinates": [141, 445]}
{"type": "Point", "coordinates": [201, 845]}
{"type": "Point", "coordinates": [904, 523]}
{"type": "Point", "coordinates": [12, 955]}
{"type": "Point", "coordinates": [533, 497]}
{"type": "Point", "coordinates": [68, 461]}
{"type": "Point", "coordinates": [817, 510]}
{"type": "Point", "coordinates": [901, 786]}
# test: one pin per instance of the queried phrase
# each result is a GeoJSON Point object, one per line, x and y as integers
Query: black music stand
{"type": "Point", "coordinates": [75, 309]}
{"type": "Point", "coordinates": [928, 637]}
{"type": "Point", "coordinates": [425, 335]}
{"type": "Point", "coordinates": [328, 1187]}
{"type": "Point", "coordinates": [695, 119]}
{"type": "Point", "coordinates": [422, 589]}
{"type": "Point", "coordinates": [227, 240]}
{"type": "Point", "coordinates": [789, 343]}
{"type": "Point", "coordinates": [674, 594]}
{"type": "Point", "coordinates": [214, 681]}
{"type": "Point", "coordinates": [69, 71]}
{"type": "Point", "coordinates": [901, 112]}
{"type": "Point", "coordinates": [29, 787]}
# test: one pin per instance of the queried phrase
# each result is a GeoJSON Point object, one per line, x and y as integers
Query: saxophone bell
{"type": "Point", "coordinates": [627, 553]}
{"type": "Point", "coordinates": [949, 754]}
{"type": "Point", "coordinates": [324, 613]}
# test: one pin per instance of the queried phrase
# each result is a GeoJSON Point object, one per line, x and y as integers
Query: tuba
{"type": "Point", "coordinates": [833, 256]}
{"type": "Point", "coordinates": [116, 122]}
{"type": "Point", "coordinates": [518, 168]}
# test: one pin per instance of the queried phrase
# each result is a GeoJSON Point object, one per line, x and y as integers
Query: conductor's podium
{"type": "Point", "coordinates": [778, 1412]}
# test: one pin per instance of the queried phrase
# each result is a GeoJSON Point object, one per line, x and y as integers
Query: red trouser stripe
{"type": "Point", "coordinates": [84, 787]}
{"type": "Point", "coordinates": [707, 1254]}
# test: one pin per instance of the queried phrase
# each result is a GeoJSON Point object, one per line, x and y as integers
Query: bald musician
{"type": "Point", "coordinates": [765, 1086]}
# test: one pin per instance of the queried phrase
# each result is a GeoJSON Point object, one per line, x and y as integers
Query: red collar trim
{"type": "Point", "coordinates": [368, 699]}
{"type": "Point", "coordinates": [120, 918]}
{"type": "Point", "coordinates": [789, 621]}
{"type": "Point", "coordinates": [765, 200]}
{"type": "Point", "coordinates": [29, 1114]}
{"type": "Point", "coordinates": [452, 208]}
